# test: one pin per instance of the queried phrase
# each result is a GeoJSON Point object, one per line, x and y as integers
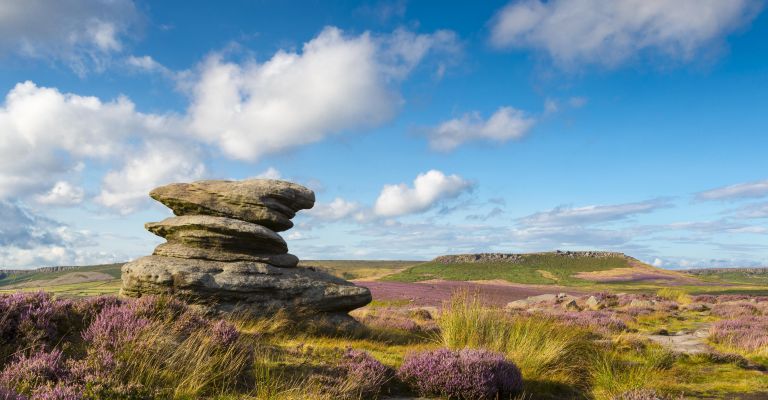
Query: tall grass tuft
{"type": "Point", "coordinates": [614, 376]}
{"type": "Point", "coordinates": [544, 349]}
{"type": "Point", "coordinates": [200, 364]}
{"type": "Point", "coordinates": [677, 295]}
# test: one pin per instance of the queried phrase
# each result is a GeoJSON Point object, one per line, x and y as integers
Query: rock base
{"type": "Point", "coordinates": [252, 288]}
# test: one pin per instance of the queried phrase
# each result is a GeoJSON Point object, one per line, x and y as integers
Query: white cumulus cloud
{"type": "Point", "coordinates": [335, 84]}
{"type": "Point", "coordinates": [336, 210]}
{"type": "Point", "coordinates": [428, 189]}
{"type": "Point", "coordinates": [610, 32]}
{"type": "Point", "coordinates": [46, 134]}
{"type": "Point", "coordinates": [158, 163]}
{"type": "Point", "coordinates": [505, 124]}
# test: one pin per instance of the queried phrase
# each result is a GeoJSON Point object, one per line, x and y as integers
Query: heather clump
{"type": "Point", "coordinates": [27, 373]}
{"type": "Point", "coordinates": [114, 327]}
{"type": "Point", "coordinates": [364, 376]}
{"type": "Point", "coordinates": [747, 334]}
{"type": "Point", "coordinates": [7, 394]}
{"type": "Point", "coordinates": [735, 309]}
{"type": "Point", "coordinates": [352, 375]}
{"type": "Point", "coordinates": [463, 374]}
{"type": "Point", "coordinates": [641, 394]}
{"type": "Point", "coordinates": [33, 320]}
{"type": "Point", "coordinates": [59, 391]}
{"type": "Point", "coordinates": [604, 322]}
{"type": "Point", "coordinates": [224, 333]}
{"type": "Point", "coordinates": [404, 320]}
{"type": "Point", "coordinates": [39, 321]}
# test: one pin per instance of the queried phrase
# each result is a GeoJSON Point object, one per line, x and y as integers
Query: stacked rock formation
{"type": "Point", "coordinates": [223, 253]}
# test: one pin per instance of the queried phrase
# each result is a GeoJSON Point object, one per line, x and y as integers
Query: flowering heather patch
{"type": "Point", "coordinates": [7, 394]}
{"type": "Point", "coordinates": [224, 333]}
{"type": "Point", "coordinates": [32, 319]}
{"type": "Point", "coordinates": [115, 326]}
{"type": "Point", "coordinates": [158, 308]}
{"type": "Point", "coordinates": [465, 374]}
{"type": "Point", "coordinates": [735, 310]}
{"type": "Point", "coordinates": [364, 375]}
{"type": "Point", "coordinates": [58, 392]}
{"type": "Point", "coordinates": [90, 307]}
{"type": "Point", "coordinates": [641, 394]}
{"type": "Point", "coordinates": [600, 321]}
{"type": "Point", "coordinates": [388, 318]}
{"type": "Point", "coordinates": [26, 373]}
{"type": "Point", "coordinates": [748, 334]}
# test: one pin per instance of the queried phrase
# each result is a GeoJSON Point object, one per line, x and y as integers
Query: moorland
{"type": "Point", "coordinates": [543, 327]}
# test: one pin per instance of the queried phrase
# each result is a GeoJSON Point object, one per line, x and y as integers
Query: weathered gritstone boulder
{"type": "Point", "coordinates": [224, 255]}
{"type": "Point", "coordinates": [266, 202]}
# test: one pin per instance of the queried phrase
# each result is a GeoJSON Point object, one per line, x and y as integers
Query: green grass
{"type": "Point", "coordinates": [557, 270]}
{"type": "Point", "coordinates": [357, 269]}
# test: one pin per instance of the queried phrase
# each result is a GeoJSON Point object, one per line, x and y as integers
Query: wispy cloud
{"type": "Point", "coordinates": [735, 192]}
{"type": "Point", "coordinates": [592, 214]}
{"type": "Point", "coordinates": [80, 33]}
{"type": "Point", "coordinates": [574, 32]}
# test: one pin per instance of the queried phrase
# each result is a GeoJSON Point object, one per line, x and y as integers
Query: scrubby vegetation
{"type": "Point", "coordinates": [601, 347]}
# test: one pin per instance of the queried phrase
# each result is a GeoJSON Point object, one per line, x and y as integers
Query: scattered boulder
{"type": "Point", "coordinates": [637, 303]}
{"type": "Point", "coordinates": [223, 253]}
{"type": "Point", "coordinates": [548, 299]}
{"type": "Point", "coordinates": [571, 305]}
{"type": "Point", "coordinates": [594, 304]}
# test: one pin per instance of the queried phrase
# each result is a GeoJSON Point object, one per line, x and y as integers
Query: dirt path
{"type": "Point", "coordinates": [688, 342]}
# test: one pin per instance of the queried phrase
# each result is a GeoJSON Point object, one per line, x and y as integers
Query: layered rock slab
{"type": "Point", "coordinates": [253, 287]}
{"type": "Point", "coordinates": [219, 233]}
{"type": "Point", "coordinates": [266, 202]}
{"type": "Point", "coordinates": [180, 250]}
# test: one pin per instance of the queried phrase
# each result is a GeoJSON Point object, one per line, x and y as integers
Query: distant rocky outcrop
{"type": "Point", "coordinates": [224, 255]}
{"type": "Point", "coordinates": [517, 258]}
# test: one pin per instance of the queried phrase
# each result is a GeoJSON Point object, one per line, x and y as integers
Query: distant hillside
{"type": "Point", "coordinates": [17, 277]}
{"type": "Point", "coordinates": [105, 279]}
{"type": "Point", "coordinates": [558, 267]}
{"type": "Point", "coordinates": [756, 276]}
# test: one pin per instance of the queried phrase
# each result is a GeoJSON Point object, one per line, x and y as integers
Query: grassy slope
{"type": "Point", "coordinates": [535, 269]}
{"type": "Point", "coordinates": [110, 269]}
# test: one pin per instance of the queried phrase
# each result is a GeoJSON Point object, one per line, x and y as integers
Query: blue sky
{"type": "Point", "coordinates": [424, 128]}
